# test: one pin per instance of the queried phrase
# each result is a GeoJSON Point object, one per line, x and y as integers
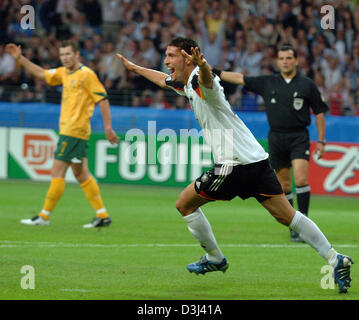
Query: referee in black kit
{"type": "Point", "coordinates": [289, 98]}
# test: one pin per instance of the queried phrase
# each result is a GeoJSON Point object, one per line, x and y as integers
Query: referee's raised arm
{"type": "Point", "coordinates": [231, 77]}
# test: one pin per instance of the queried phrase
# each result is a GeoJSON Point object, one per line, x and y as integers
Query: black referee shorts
{"type": "Point", "coordinates": [224, 182]}
{"type": "Point", "coordinates": [284, 147]}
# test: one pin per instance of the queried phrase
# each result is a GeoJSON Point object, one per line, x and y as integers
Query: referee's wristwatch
{"type": "Point", "coordinates": [323, 142]}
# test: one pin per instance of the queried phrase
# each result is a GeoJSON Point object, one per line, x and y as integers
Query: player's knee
{"type": "Point", "coordinates": [300, 182]}
{"type": "Point", "coordinates": [281, 216]}
{"type": "Point", "coordinates": [286, 186]}
{"type": "Point", "coordinates": [183, 209]}
{"type": "Point", "coordinates": [180, 208]}
{"type": "Point", "coordinates": [283, 220]}
{"type": "Point", "coordinates": [81, 175]}
{"type": "Point", "coordinates": [77, 173]}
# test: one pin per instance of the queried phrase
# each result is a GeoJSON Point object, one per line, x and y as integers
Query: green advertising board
{"type": "Point", "coordinates": [164, 159]}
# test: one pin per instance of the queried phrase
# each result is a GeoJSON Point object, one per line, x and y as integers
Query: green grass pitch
{"type": "Point", "coordinates": [144, 253]}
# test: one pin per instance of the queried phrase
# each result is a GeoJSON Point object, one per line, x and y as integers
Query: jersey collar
{"type": "Point", "coordinates": [79, 68]}
{"type": "Point", "coordinates": [291, 80]}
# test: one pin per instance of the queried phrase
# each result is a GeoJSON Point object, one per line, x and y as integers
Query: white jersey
{"type": "Point", "coordinates": [230, 140]}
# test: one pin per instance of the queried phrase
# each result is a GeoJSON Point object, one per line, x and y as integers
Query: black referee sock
{"type": "Point", "coordinates": [289, 196]}
{"type": "Point", "coordinates": [303, 198]}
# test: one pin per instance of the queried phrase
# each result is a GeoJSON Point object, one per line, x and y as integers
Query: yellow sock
{"type": "Point", "coordinates": [54, 193]}
{"type": "Point", "coordinates": [92, 193]}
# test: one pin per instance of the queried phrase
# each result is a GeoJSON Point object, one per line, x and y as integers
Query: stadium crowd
{"type": "Point", "coordinates": [238, 35]}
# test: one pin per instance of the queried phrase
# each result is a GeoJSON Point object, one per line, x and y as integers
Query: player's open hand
{"type": "Point", "coordinates": [112, 136]}
{"type": "Point", "coordinates": [13, 50]}
{"type": "Point", "coordinates": [127, 63]}
{"type": "Point", "coordinates": [196, 58]}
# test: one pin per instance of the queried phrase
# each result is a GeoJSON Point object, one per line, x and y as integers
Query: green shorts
{"type": "Point", "coordinates": [70, 149]}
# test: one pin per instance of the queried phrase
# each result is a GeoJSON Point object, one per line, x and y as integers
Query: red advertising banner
{"type": "Point", "coordinates": [337, 173]}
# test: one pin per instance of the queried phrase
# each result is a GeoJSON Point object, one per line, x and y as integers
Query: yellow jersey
{"type": "Point", "coordinates": [81, 91]}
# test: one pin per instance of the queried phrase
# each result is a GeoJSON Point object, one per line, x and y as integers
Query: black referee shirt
{"type": "Point", "coordinates": [288, 105]}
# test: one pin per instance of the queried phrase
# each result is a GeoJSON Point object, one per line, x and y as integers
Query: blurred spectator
{"type": "Point", "coordinates": [251, 62]}
{"type": "Point", "coordinates": [47, 15]}
{"type": "Point", "coordinates": [93, 14]}
{"type": "Point", "coordinates": [7, 66]}
{"type": "Point", "coordinates": [211, 40]}
{"type": "Point", "coordinates": [111, 68]}
{"type": "Point", "coordinates": [239, 52]}
{"type": "Point", "coordinates": [175, 26]}
{"type": "Point", "coordinates": [112, 13]}
{"type": "Point", "coordinates": [180, 7]}
{"type": "Point", "coordinates": [286, 16]}
{"type": "Point", "coordinates": [331, 70]}
{"type": "Point", "coordinates": [269, 8]}
{"type": "Point", "coordinates": [181, 103]}
{"type": "Point", "coordinates": [7, 71]}
{"type": "Point", "coordinates": [339, 45]}
{"type": "Point", "coordinates": [305, 68]}
{"type": "Point", "coordinates": [227, 56]}
{"type": "Point", "coordinates": [216, 18]}
{"type": "Point", "coordinates": [77, 25]}
{"type": "Point", "coordinates": [159, 101]}
{"type": "Point", "coordinates": [339, 100]}
{"type": "Point", "coordinates": [66, 6]}
{"type": "Point", "coordinates": [154, 24]}
{"type": "Point", "coordinates": [136, 101]}
{"type": "Point", "coordinates": [149, 53]}
{"type": "Point", "coordinates": [303, 43]}
{"type": "Point", "coordinates": [4, 19]}
{"type": "Point", "coordinates": [89, 52]}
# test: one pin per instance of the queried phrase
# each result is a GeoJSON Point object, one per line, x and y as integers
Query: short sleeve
{"type": "Point", "coordinates": [53, 77]}
{"type": "Point", "coordinates": [212, 94]}
{"type": "Point", "coordinates": [255, 84]}
{"type": "Point", "coordinates": [94, 87]}
{"type": "Point", "coordinates": [317, 101]}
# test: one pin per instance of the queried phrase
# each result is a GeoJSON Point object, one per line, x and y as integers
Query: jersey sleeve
{"type": "Point", "coordinates": [211, 94]}
{"type": "Point", "coordinates": [94, 87]}
{"type": "Point", "coordinates": [53, 77]}
{"type": "Point", "coordinates": [255, 84]}
{"type": "Point", "coordinates": [317, 101]}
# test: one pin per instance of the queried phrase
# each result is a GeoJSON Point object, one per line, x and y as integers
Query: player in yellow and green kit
{"type": "Point", "coordinates": [82, 90]}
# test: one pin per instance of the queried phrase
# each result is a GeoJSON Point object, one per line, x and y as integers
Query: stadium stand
{"type": "Point", "coordinates": [242, 34]}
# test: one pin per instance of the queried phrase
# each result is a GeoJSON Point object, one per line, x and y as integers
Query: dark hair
{"type": "Point", "coordinates": [69, 43]}
{"type": "Point", "coordinates": [184, 43]}
{"type": "Point", "coordinates": [287, 47]}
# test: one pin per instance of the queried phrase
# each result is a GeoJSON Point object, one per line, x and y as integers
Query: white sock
{"type": "Point", "coordinates": [200, 228]}
{"type": "Point", "coordinates": [312, 235]}
{"type": "Point", "coordinates": [332, 257]}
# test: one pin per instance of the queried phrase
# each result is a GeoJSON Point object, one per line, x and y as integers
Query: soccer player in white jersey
{"type": "Point", "coordinates": [241, 164]}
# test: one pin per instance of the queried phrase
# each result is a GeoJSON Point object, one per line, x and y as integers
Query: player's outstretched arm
{"type": "Point", "coordinates": [34, 69]}
{"type": "Point", "coordinates": [106, 116]}
{"type": "Point", "coordinates": [157, 77]}
{"type": "Point", "coordinates": [232, 77]}
{"type": "Point", "coordinates": [205, 74]}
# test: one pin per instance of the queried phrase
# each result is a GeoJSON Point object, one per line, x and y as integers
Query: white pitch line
{"type": "Point", "coordinates": [27, 244]}
{"type": "Point", "coordinates": [76, 290]}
